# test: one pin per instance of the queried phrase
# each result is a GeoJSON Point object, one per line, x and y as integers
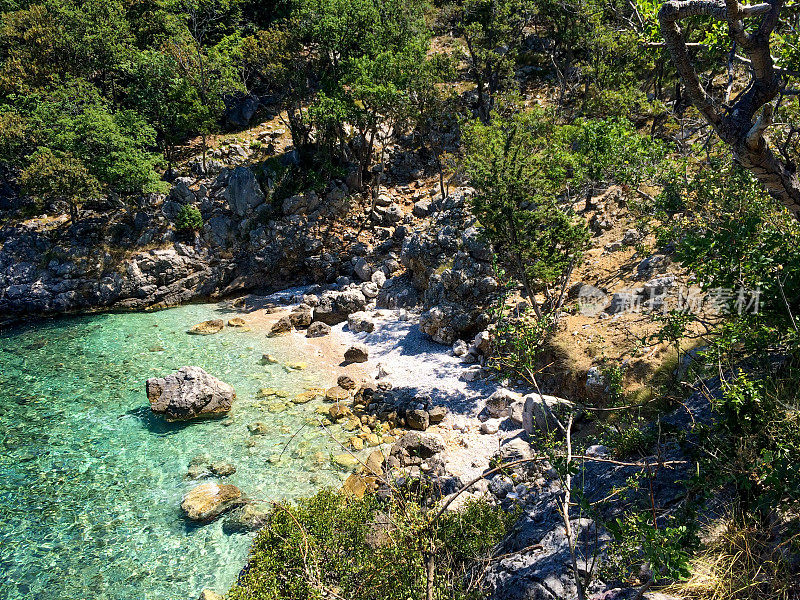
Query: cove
{"type": "Point", "coordinates": [91, 481]}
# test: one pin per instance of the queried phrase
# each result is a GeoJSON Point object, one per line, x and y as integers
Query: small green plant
{"type": "Point", "coordinates": [189, 219]}
{"type": "Point", "coordinates": [666, 550]}
{"type": "Point", "coordinates": [629, 436]}
{"type": "Point", "coordinates": [614, 375]}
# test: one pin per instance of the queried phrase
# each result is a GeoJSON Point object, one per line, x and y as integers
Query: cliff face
{"type": "Point", "coordinates": [119, 258]}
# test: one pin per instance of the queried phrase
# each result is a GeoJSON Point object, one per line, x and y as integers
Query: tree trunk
{"type": "Point", "coordinates": [742, 126]}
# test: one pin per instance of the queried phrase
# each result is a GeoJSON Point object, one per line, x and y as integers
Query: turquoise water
{"type": "Point", "coordinates": [91, 481]}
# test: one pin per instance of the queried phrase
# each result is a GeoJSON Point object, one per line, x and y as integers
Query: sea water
{"type": "Point", "coordinates": [91, 481]}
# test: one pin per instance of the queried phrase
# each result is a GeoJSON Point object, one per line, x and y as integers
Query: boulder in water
{"type": "Point", "coordinates": [189, 393]}
{"type": "Point", "coordinates": [208, 327]}
{"type": "Point", "coordinates": [209, 500]}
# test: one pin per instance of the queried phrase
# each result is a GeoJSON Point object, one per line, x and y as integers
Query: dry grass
{"type": "Point", "coordinates": [745, 562]}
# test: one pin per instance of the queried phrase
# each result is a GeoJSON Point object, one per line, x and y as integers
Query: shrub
{"type": "Point", "coordinates": [189, 219]}
{"type": "Point", "coordinates": [366, 549]}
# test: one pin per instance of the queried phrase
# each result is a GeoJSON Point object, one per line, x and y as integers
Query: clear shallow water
{"type": "Point", "coordinates": [91, 481]}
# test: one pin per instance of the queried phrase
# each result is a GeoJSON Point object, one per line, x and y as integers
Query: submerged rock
{"type": "Point", "coordinates": [336, 394]}
{"type": "Point", "coordinates": [245, 519]}
{"type": "Point", "coordinates": [222, 469]}
{"type": "Point", "coordinates": [209, 500]}
{"type": "Point", "coordinates": [208, 327]}
{"type": "Point", "coordinates": [189, 393]}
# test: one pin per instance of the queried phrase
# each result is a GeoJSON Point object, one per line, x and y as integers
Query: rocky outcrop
{"type": "Point", "coordinates": [243, 192]}
{"type": "Point", "coordinates": [209, 500]}
{"type": "Point", "coordinates": [189, 393]}
{"type": "Point", "coordinates": [449, 265]}
{"type": "Point", "coordinates": [335, 306]}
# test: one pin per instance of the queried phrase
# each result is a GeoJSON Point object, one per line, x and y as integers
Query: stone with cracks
{"type": "Point", "coordinates": [189, 393]}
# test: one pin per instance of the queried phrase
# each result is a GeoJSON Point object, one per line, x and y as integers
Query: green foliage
{"type": "Point", "coordinates": [113, 145]}
{"type": "Point", "coordinates": [733, 236]}
{"type": "Point", "coordinates": [518, 341]}
{"type": "Point", "coordinates": [756, 439]}
{"type": "Point", "coordinates": [518, 172]}
{"type": "Point", "coordinates": [189, 219]}
{"type": "Point", "coordinates": [60, 177]}
{"type": "Point", "coordinates": [364, 549]}
{"type": "Point", "coordinates": [737, 241]}
{"type": "Point", "coordinates": [613, 150]}
{"type": "Point", "coordinates": [492, 31]}
{"type": "Point", "coordinates": [666, 549]}
{"type": "Point", "coordinates": [629, 436]}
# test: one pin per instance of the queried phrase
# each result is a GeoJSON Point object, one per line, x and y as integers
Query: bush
{"type": "Point", "coordinates": [366, 549]}
{"type": "Point", "coordinates": [189, 219]}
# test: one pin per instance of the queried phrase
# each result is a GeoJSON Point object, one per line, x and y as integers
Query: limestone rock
{"type": "Point", "coordinates": [541, 411]}
{"type": "Point", "coordinates": [318, 329]}
{"type": "Point", "coordinates": [360, 321]}
{"type": "Point", "coordinates": [346, 461]}
{"type": "Point", "coordinates": [258, 428]}
{"type": "Point", "coordinates": [346, 382]}
{"type": "Point", "coordinates": [338, 411]}
{"type": "Point", "coordinates": [374, 464]}
{"type": "Point", "coordinates": [208, 327]}
{"type": "Point", "coordinates": [237, 322]}
{"type": "Point", "coordinates": [222, 469]}
{"type": "Point", "coordinates": [437, 414]}
{"type": "Point", "coordinates": [335, 307]}
{"type": "Point", "coordinates": [300, 318]}
{"type": "Point", "coordinates": [499, 404]}
{"type": "Point", "coordinates": [210, 595]}
{"type": "Point", "coordinates": [418, 444]}
{"type": "Point", "coordinates": [357, 353]}
{"type": "Point", "coordinates": [243, 192]}
{"type": "Point", "coordinates": [282, 325]}
{"type": "Point", "coordinates": [336, 394]}
{"type": "Point", "coordinates": [418, 419]}
{"type": "Point", "coordinates": [209, 500]}
{"type": "Point", "coordinates": [357, 485]}
{"type": "Point", "coordinates": [490, 427]}
{"type": "Point", "coordinates": [421, 209]}
{"type": "Point", "coordinates": [189, 393]}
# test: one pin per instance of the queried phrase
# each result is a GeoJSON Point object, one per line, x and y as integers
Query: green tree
{"type": "Point", "coordinates": [60, 177]}
{"type": "Point", "coordinates": [519, 169]}
{"type": "Point", "coordinates": [492, 31]}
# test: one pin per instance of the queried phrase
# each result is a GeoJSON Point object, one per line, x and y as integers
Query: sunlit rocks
{"type": "Point", "coordinates": [208, 327]}
{"type": "Point", "coordinates": [209, 500]}
{"type": "Point", "coordinates": [337, 394]}
{"type": "Point", "coordinates": [356, 353]}
{"type": "Point", "coordinates": [189, 393]}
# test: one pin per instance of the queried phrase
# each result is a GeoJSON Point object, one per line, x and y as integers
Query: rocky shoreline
{"type": "Point", "coordinates": [418, 409]}
{"type": "Point", "coordinates": [402, 286]}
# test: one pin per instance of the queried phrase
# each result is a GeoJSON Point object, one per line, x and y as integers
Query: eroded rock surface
{"type": "Point", "coordinates": [209, 500]}
{"type": "Point", "coordinates": [189, 393]}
